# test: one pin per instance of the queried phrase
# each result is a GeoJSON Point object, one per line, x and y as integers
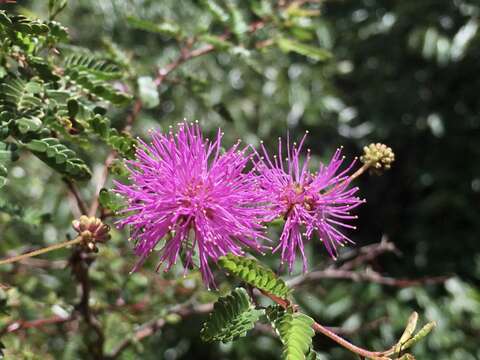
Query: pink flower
{"type": "Point", "coordinates": [319, 202]}
{"type": "Point", "coordinates": [185, 190]}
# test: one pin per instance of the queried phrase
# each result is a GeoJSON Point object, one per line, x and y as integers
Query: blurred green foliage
{"type": "Point", "coordinates": [351, 72]}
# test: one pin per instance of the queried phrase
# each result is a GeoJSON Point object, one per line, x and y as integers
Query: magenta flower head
{"type": "Point", "coordinates": [309, 203]}
{"type": "Point", "coordinates": [185, 190]}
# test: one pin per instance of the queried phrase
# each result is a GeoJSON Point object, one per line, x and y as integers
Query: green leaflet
{"type": "Point", "coordinates": [14, 24]}
{"type": "Point", "coordinates": [22, 24]}
{"type": "Point", "coordinates": [14, 210]}
{"type": "Point", "coordinates": [217, 42]}
{"type": "Point", "coordinates": [232, 316]}
{"type": "Point", "coordinates": [92, 74]}
{"type": "Point", "coordinates": [8, 153]}
{"type": "Point", "coordinates": [59, 157]}
{"type": "Point", "coordinates": [4, 19]}
{"type": "Point", "coordinates": [55, 7]}
{"type": "Point", "coordinates": [21, 105]}
{"type": "Point", "coordinates": [408, 339]}
{"type": "Point", "coordinates": [100, 68]}
{"type": "Point", "coordinates": [255, 274]}
{"type": "Point", "coordinates": [42, 66]}
{"type": "Point", "coordinates": [262, 8]}
{"type": "Point", "coordinates": [216, 10]}
{"type": "Point", "coordinates": [295, 331]}
{"type": "Point", "coordinates": [110, 200]}
{"type": "Point", "coordinates": [424, 331]}
{"type": "Point", "coordinates": [121, 142]}
{"type": "Point", "coordinates": [92, 120]}
{"type": "Point", "coordinates": [311, 355]}
{"type": "Point", "coordinates": [237, 20]}
{"type": "Point", "coordinates": [165, 28]}
{"type": "Point", "coordinates": [313, 52]}
{"type": "Point", "coordinates": [3, 175]}
{"type": "Point", "coordinates": [90, 82]}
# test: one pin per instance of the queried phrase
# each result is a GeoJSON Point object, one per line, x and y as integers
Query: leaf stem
{"type": "Point", "coordinates": [44, 250]}
{"type": "Point", "coordinates": [352, 177]}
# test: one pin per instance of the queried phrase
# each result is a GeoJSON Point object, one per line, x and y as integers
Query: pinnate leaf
{"type": "Point", "coordinates": [59, 157]}
{"type": "Point", "coordinates": [255, 274]}
{"type": "Point", "coordinates": [295, 331]}
{"type": "Point", "coordinates": [232, 316]}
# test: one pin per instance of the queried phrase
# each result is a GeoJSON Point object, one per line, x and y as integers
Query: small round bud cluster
{"type": "Point", "coordinates": [92, 230]}
{"type": "Point", "coordinates": [378, 156]}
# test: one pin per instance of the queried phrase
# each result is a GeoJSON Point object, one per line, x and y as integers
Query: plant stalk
{"type": "Point", "coordinates": [44, 250]}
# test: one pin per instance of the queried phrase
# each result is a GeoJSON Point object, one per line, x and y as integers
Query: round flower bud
{"type": "Point", "coordinates": [92, 230]}
{"type": "Point", "coordinates": [378, 156]}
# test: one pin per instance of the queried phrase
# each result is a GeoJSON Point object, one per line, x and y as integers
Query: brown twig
{"type": "Point", "coordinates": [374, 355]}
{"type": "Point", "coordinates": [363, 256]}
{"type": "Point", "coordinates": [137, 107]}
{"type": "Point", "coordinates": [284, 303]}
{"type": "Point", "coordinates": [18, 325]}
{"type": "Point", "coordinates": [368, 275]}
{"type": "Point", "coordinates": [80, 264]}
{"type": "Point", "coordinates": [34, 324]}
{"type": "Point", "coordinates": [101, 183]}
{"type": "Point", "coordinates": [44, 250]}
{"type": "Point", "coordinates": [186, 54]}
{"type": "Point", "coordinates": [368, 253]}
{"type": "Point", "coordinates": [45, 264]}
{"type": "Point", "coordinates": [74, 191]}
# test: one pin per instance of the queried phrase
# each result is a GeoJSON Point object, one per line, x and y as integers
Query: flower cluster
{"type": "Point", "coordinates": [189, 196]}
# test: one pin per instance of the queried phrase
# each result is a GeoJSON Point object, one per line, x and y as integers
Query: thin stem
{"type": "Point", "coordinates": [367, 254]}
{"type": "Point", "coordinates": [35, 324]}
{"type": "Point", "coordinates": [80, 267]}
{"type": "Point", "coordinates": [368, 275]}
{"type": "Point", "coordinates": [352, 177]}
{"type": "Point", "coordinates": [81, 205]}
{"type": "Point", "coordinates": [282, 302]}
{"type": "Point", "coordinates": [44, 250]}
{"type": "Point", "coordinates": [359, 172]}
{"type": "Point", "coordinates": [103, 179]}
{"type": "Point", "coordinates": [375, 355]}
